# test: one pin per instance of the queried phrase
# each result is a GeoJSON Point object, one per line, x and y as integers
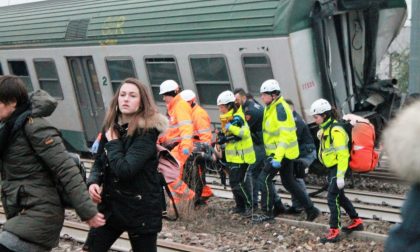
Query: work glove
{"type": "Point", "coordinates": [185, 151]}
{"type": "Point", "coordinates": [340, 183]}
{"type": "Point", "coordinates": [95, 146]}
{"type": "Point", "coordinates": [227, 126]}
{"type": "Point", "coordinates": [275, 164]}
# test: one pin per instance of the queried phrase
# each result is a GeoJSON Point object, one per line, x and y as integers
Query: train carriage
{"type": "Point", "coordinates": [80, 50]}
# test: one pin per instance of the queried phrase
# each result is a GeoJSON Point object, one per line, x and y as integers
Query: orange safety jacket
{"type": "Point", "coordinates": [180, 129]}
{"type": "Point", "coordinates": [202, 125]}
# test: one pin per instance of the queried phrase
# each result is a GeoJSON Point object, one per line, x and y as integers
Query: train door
{"type": "Point", "coordinates": [88, 94]}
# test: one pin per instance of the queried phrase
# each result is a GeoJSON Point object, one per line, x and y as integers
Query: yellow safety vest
{"type": "Point", "coordinates": [337, 153]}
{"type": "Point", "coordinates": [242, 151]}
{"type": "Point", "coordinates": [280, 137]}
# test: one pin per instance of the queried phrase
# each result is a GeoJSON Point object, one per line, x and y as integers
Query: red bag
{"type": "Point", "coordinates": [363, 157]}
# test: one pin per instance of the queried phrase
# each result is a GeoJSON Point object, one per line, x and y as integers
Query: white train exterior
{"type": "Point", "coordinates": [80, 50]}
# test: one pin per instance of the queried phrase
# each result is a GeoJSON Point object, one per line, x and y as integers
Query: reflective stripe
{"type": "Point", "coordinates": [177, 139]}
{"type": "Point", "coordinates": [277, 131]}
{"type": "Point", "coordinates": [339, 148]}
{"type": "Point", "coordinates": [237, 152]}
{"type": "Point", "coordinates": [178, 184]}
{"type": "Point", "coordinates": [241, 132]}
{"type": "Point", "coordinates": [281, 144]}
{"type": "Point", "coordinates": [202, 131]}
{"type": "Point", "coordinates": [181, 123]}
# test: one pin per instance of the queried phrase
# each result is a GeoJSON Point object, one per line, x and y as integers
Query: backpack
{"type": "Point", "coordinates": [65, 199]}
{"type": "Point", "coordinates": [363, 157]}
{"type": "Point", "coordinates": [168, 168]}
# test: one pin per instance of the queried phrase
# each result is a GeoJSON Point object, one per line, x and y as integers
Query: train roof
{"type": "Point", "coordinates": [54, 23]}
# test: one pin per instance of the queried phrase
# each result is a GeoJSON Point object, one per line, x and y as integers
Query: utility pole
{"type": "Point", "coordinates": [414, 72]}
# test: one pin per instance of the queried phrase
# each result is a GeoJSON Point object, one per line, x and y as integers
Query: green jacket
{"type": "Point", "coordinates": [29, 196]}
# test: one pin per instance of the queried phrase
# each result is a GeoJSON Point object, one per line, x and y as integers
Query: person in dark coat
{"type": "Point", "coordinates": [32, 154]}
{"type": "Point", "coordinates": [124, 179]}
{"type": "Point", "coordinates": [403, 147]}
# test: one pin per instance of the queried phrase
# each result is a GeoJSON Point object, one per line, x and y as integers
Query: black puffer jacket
{"type": "Point", "coordinates": [28, 192]}
{"type": "Point", "coordinates": [127, 170]}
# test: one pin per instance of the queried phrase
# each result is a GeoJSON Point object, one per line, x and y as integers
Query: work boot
{"type": "Point", "coordinates": [293, 211]}
{"type": "Point", "coordinates": [312, 214]}
{"type": "Point", "coordinates": [333, 236]}
{"type": "Point", "coordinates": [247, 213]}
{"type": "Point", "coordinates": [355, 225]}
{"type": "Point", "coordinates": [236, 210]}
{"type": "Point", "coordinates": [278, 209]}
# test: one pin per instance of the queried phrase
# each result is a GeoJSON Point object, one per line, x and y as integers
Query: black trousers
{"type": "Point", "coordinates": [289, 182]}
{"type": "Point", "coordinates": [240, 185]}
{"type": "Point", "coordinates": [337, 199]}
{"type": "Point", "coordinates": [101, 239]}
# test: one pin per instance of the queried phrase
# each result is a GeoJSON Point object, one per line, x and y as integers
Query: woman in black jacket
{"type": "Point", "coordinates": [124, 179]}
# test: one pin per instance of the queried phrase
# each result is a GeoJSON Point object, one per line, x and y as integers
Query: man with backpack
{"type": "Point", "coordinates": [334, 154]}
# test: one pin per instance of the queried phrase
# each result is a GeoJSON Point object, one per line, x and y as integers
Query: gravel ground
{"type": "Point", "coordinates": [214, 228]}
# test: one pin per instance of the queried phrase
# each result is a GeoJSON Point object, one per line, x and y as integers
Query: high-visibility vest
{"type": "Point", "coordinates": [336, 153]}
{"type": "Point", "coordinates": [240, 151]}
{"type": "Point", "coordinates": [202, 125]}
{"type": "Point", "coordinates": [279, 136]}
{"type": "Point", "coordinates": [180, 125]}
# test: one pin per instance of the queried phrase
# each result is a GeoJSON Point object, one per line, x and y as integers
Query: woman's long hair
{"type": "Point", "coordinates": [146, 110]}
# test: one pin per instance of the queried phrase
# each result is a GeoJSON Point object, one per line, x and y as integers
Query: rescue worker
{"type": "Point", "coordinates": [281, 147]}
{"type": "Point", "coordinates": [178, 138]}
{"type": "Point", "coordinates": [239, 150]}
{"type": "Point", "coordinates": [253, 115]}
{"type": "Point", "coordinates": [307, 154]}
{"type": "Point", "coordinates": [334, 154]}
{"type": "Point", "coordinates": [202, 134]}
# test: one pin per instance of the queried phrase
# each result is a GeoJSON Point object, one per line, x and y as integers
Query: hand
{"type": "Point", "coordinates": [95, 193]}
{"type": "Point", "coordinates": [96, 221]}
{"type": "Point", "coordinates": [185, 151]}
{"type": "Point", "coordinates": [340, 183]}
{"type": "Point", "coordinates": [275, 164]}
{"type": "Point", "coordinates": [111, 134]}
{"type": "Point", "coordinates": [227, 126]}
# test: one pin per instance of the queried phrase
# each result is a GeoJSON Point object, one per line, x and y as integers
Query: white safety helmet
{"type": "Point", "coordinates": [225, 97]}
{"type": "Point", "coordinates": [320, 106]}
{"type": "Point", "coordinates": [187, 95]}
{"type": "Point", "coordinates": [270, 86]}
{"type": "Point", "coordinates": [168, 86]}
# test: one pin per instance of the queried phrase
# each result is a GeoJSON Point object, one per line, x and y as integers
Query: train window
{"type": "Point", "coordinates": [19, 68]}
{"type": "Point", "coordinates": [211, 77]}
{"type": "Point", "coordinates": [257, 69]}
{"type": "Point", "coordinates": [48, 77]}
{"type": "Point", "coordinates": [119, 70]}
{"type": "Point", "coordinates": [159, 70]}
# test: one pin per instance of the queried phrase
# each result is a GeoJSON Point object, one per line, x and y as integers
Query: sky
{"type": "Point", "coordinates": [12, 2]}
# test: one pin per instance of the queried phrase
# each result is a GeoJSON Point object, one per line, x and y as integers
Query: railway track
{"type": "Point", "coordinates": [370, 205]}
{"type": "Point", "coordinates": [78, 232]}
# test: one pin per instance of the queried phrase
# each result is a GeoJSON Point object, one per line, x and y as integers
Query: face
{"type": "Point", "coordinates": [238, 99]}
{"type": "Point", "coordinates": [223, 109]}
{"type": "Point", "coordinates": [318, 119]}
{"type": "Point", "coordinates": [167, 98]}
{"type": "Point", "coordinates": [266, 98]}
{"type": "Point", "coordinates": [6, 110]}
{"type": "Point", "coordinates": [129, 99]}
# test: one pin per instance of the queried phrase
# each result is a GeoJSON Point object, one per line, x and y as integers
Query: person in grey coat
{"type": "Point", "coordinates": [32, 154]}
{"type": "Point", "coordinates": [403, 147]}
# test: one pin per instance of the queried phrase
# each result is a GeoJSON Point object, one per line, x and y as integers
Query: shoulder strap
{"type": "Point", "coordinates": [168, 192]}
